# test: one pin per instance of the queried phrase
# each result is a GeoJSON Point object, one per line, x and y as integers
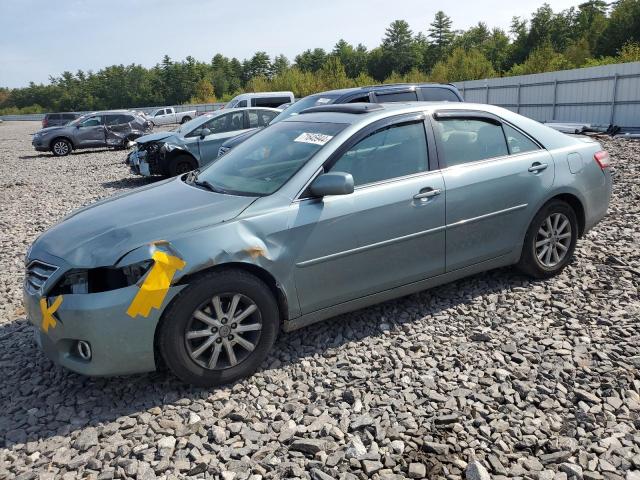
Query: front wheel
{"type": "Point", "coordinates": [219, 329]}
{"type": "Point", "coordinates": [61, 147]}
{"type": "Point", "coordinates": [181, 164]}
{"type": "Point", "coordinates": [550, 240]}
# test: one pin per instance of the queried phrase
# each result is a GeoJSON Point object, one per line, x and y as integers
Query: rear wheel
{"type": "Point", "coordinates": [550, 240]}
{"type": "Point", "coordinates": [181, 164]}
{"type": "Point", "coordinates": [219, 329]}
{"type": "Point", "coordinates": [61, 147]}
{"type": "Point", "coordinates": [185, 119]}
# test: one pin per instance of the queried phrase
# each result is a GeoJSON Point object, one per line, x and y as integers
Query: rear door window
{"type": "Point", "coordinates": [438, 94]}
{"type": "Point", "coordinates": [469, 140]}
{"type": "Point", "coordinates": [388, 153]}
{"type": "Point", "coordinates": [388, 97]}
{"type": "Point", "coordinates": [259, 118]}
{"type": "Point", "coordinates": [54, 116]}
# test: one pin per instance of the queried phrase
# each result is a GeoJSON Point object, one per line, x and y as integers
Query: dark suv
{"type": "Point", "coordinates": [56, 119]}
{"type": "Point", "coordinates": [114, 128]}
{"type": "Point", "coordinates": [389, 93]}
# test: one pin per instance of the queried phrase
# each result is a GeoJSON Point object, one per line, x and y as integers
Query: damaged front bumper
{"type": "Point", "coordinates": [145, 162]}
{"type": "Point", "coordinates": [137, 161]}
{"type": "Point", "coordinates": [118, 344]}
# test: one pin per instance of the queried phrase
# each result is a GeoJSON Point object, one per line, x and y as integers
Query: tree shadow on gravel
{"type": "Point", "coordinates": [39, 400]}
{"type": "Point", "coordinates": [75, 152]}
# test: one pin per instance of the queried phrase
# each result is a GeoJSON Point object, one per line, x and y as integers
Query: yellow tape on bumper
{"type": "Point", "coordinates": [48, 320]}
{"type": "Point", "coordinates": [156, 285]}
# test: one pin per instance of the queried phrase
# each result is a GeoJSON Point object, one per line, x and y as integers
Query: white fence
{"type": "Point", "coordinates": [608, 94]}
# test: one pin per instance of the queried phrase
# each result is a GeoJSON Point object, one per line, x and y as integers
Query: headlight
{"type": "Point", "coordinates": [102, 279]}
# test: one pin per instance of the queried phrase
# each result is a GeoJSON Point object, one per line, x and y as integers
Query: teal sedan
{"type": "Point", "coordinates": [195, 143]}
{"type": "Point", "coordinates": [328, 211]}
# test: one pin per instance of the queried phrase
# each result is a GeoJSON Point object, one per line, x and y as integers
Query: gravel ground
{"type": "Point", "coordinates": [493, 376]}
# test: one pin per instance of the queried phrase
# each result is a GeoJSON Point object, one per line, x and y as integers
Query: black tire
{"type": "Point", "coordinates": [185, 119]}
{"type": "Point", "coordinates": [529, 262]}
{"type": "Point", "coordinates": [178, 319]}
{"type": "Point", "coordinates": [181, 164]}
{"type": "Point", "coordinates": [61, 147]}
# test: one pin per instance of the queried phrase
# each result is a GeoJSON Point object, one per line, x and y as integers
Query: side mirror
{"type": "Point", "coordinates": [333, 183]}
{"type": "Point", "coordinates": [204, 132]}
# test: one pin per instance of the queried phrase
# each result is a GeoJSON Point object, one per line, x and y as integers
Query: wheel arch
{"type": "Point", "coordinates": [576, 204]}
{"type": "Point", "coordinates": [61, 137]}
{"type": "Point", "coordinates": [255, 270]}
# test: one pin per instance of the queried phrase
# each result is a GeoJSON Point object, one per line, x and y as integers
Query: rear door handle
{"type": "Point", "coordinates": [426, 193]}
{"type": "Point", "coordinates": [538, 167]}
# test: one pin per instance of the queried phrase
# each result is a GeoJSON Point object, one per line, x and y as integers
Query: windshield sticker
{"type": "Point", "coordinates": [314, 138]}
{"type": "Point", "coordinates": [324, 100]}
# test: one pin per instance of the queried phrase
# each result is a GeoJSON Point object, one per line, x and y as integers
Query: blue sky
{"type": "Point", "coordinates": [39, 38]}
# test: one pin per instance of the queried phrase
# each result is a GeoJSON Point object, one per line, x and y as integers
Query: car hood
{"type": "Point", "coordinates": [42, 131]}
{"type": "Point", "coordinates": [100, 234]}
{"type": "Point", "coordinates": [155, 137]}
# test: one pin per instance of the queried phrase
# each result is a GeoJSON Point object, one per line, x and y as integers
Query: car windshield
{"type": "Point", "coordinates": [191, 125]}
{"type": "Point", "coordinates": [307, 102]}
{"type": "Point", "coordinates": [80, 119]}
{"type": "Point", "coordinates": [266, 161]}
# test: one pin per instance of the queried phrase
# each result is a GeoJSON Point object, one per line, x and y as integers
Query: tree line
{"type": "Point", "coordinates": [594, 33]}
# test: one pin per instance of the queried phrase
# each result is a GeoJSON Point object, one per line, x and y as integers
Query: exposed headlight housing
{"type": "Point", "coordinates": [167, 147]}
{"type": "Point", "coordinates": [101, 279]}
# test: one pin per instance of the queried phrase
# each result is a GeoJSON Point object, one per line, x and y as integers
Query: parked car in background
{"type": "Point", "coordinates": [115, 128]}
{"type": "Point", "coordinates": [329, 211]}
{"type": "Point", "coordinates": [56, 119]}
{"type": "Point", "coordinates": [195, 143]}
{"type": "Point", "coordinates": [389, 93]}
{"type": "Point", "coordinates": [168, 115]}
{"type": "Point", "coordinates": [261, 99]}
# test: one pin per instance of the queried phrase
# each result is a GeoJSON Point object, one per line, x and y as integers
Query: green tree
{"type": "Point", "coordinates": [311, 60]}
{"type": "Point", "coordinates": [542, 59]}
{"type": "Point", "coordinates": [462, 65]}
{"type": "Point", "coordinates": [398, 53]}
{"type": "Point", "coordinates": [440, 34]}
{"type": "Point", "coordinates": [623, 26]}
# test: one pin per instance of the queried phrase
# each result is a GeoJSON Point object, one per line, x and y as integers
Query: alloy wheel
{"type": "Point", "coordinates": [61, 148]}
{"type": "Point", "coordinates": [223, 331]}
{"type": "Point", "coordinates": [553, 240]}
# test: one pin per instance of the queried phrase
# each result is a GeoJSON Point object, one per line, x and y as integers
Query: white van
{"type": "Point", "coordinates": [262, 99]}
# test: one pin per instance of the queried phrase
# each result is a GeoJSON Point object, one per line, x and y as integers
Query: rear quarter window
{"type": "Point", "coordinates": [437, 94]}
{"type": "Point", "coordinates": [396, 97]}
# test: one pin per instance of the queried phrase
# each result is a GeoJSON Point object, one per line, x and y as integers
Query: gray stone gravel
{"type": "Point", "coordinates": [493, 375]}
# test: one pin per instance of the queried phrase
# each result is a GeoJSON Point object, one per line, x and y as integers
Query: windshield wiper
{"type": "Point", "coordinates": [208, 185]}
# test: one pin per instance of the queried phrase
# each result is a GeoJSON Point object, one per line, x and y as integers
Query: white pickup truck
{"type": "Point", "coordinates": [166, 115]}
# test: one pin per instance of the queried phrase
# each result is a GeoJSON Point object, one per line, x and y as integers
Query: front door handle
{"type": "Point", "coordinates": [537, 167]}
{"type": "Point", "coordinates": [426, 193]}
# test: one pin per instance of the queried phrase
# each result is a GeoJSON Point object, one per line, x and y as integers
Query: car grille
{"type": "Point", "coordinates": [37, 275]}
{"type": "Point", "coordinates": [223, 150]}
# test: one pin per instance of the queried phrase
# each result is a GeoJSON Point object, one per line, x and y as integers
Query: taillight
{"type": "Point", "coordinates": [602, 159]}
{"type": "Point", "coordinates": [44, 123]}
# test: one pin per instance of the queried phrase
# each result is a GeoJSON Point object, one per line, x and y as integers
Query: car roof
{"type": "Point", "coordinates": [547, 137]}
{"type": "Point", "coordinates": [263, 94]}
{"type": "Point", "coordinates": [387, 86]}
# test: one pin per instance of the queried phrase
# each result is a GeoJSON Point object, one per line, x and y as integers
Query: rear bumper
{"type": "Point", "coordinates": [599, 204]}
